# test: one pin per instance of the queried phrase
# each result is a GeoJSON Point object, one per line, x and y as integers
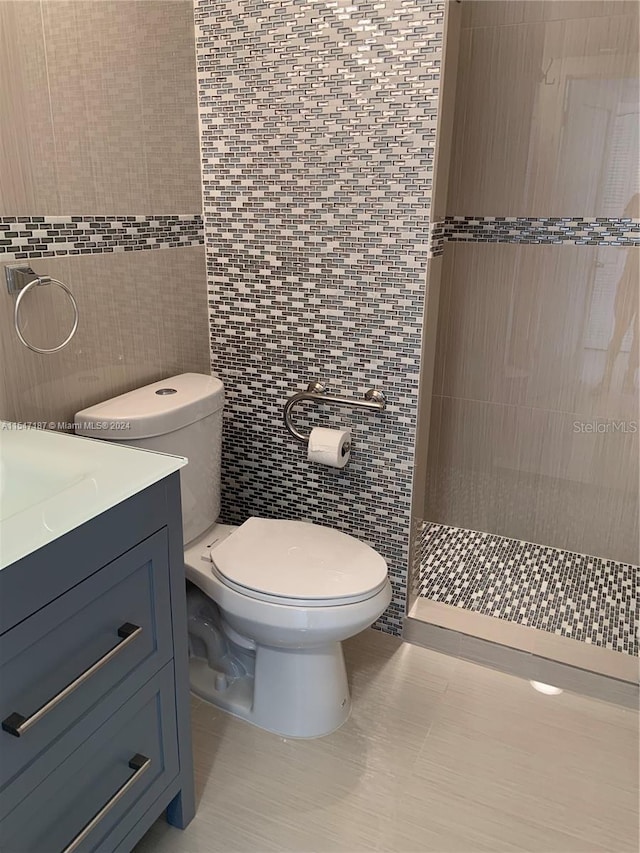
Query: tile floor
{"type": "Point", "coordinates": [573, 595]}
{"type": "Point", "coordinates": [438, 755]}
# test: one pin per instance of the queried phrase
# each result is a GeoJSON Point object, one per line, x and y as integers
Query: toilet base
{"type": "Point", "coordinates": [298, 693]}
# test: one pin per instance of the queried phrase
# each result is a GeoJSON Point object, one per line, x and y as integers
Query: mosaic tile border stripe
{"type": "Point", "coordinates": [574, 595]}
{"type": "Point", "coordinates": [38, 236]}
{"type": "Point", "coordinates": [574, 230]}
{"type": "Point", "coordinates": [24, 237]}
{"type": "Point", "coordinates": [437, 238]}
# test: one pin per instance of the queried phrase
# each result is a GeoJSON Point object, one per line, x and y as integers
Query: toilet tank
{"type": "Point", "coordinates": [181, 415]}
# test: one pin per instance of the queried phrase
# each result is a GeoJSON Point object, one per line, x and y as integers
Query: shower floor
{"type": "Point", "coordinates": [585, 598]}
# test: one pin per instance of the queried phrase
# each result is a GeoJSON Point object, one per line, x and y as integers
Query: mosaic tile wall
{"type": "Point", "coordinates": [575, 230]}
{"type": "Point", "coordinates": [318, 125]}
{"type": "Point", "coordinates": [572, 231]}
{"type": "Point", "coordinates": [585, 598]}
{"type": "Point", "coordinates": [42, 237]}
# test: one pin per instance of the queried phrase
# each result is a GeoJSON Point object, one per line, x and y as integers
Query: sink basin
{"type": "Point", "coordinates": [51, 483]}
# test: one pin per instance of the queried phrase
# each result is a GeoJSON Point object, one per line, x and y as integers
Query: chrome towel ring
{"type": "Point", "coordinates": [16, 276]}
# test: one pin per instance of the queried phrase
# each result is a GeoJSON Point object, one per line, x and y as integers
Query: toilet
{"type": "Point", "coordinates": [270, 601]}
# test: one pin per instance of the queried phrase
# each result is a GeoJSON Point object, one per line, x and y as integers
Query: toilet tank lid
{"type": "Point", "coordinates": [153, 410]}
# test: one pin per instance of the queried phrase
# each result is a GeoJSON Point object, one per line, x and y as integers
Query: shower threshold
{"type": "Point", "coordinates": [539, 612]}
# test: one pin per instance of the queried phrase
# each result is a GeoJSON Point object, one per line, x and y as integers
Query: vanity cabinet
{"type": "Point", "coordinates": [94, 696]}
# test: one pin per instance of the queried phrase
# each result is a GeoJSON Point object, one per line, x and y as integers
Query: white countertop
{"type": "Point", "coordinates": [52, 482]}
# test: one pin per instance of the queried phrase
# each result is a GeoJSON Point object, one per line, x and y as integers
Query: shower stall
{"type": "Point", "coordinates": [525, 535]}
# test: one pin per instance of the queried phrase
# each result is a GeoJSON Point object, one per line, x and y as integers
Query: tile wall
{"type": "Point", "coordinates": [546, 106]}
{"type": "Point", "coordinates": [534, 420]}
{"type": "Point", "coordinates": [98, 105]}
{"type": "Point", "coordinates": [99, 160]}
{"type": "Point", "coordinates": [319, 124]}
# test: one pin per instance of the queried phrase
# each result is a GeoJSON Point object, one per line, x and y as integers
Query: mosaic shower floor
{"type": "Point", "coordinates": [574, 595]}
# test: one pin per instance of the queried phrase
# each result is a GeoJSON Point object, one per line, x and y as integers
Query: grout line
{"type": "Point", "coordinates": [581, 415]}
{"type": "Point", "coordinates": [49, 101]}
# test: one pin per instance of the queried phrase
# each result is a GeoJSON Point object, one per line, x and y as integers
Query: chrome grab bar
{"type": "Point", "coordinates": [16, 724]}
{"type": "Point", "coordinates": [139, 763]}
{"type": "Point", "coordinates": [316, 393]}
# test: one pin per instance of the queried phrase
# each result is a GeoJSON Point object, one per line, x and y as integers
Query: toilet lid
{"type": "Point", "coordinates": [299, 560]}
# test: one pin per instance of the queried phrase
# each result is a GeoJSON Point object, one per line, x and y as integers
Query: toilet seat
{"type": "Point", "coordinates": [298, 563]}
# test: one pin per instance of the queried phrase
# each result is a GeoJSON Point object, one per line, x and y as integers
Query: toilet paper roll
{"type": "Point", "coordinates": [329, 446]}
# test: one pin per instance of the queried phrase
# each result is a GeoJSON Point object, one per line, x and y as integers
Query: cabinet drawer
{"type": "Point", "coordinates": [111, 778]}
{"type": "Point", "coordinates": [58, 663]}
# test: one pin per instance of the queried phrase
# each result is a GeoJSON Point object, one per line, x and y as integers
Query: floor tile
{"type": "Point", "coordinates": [439, 754]}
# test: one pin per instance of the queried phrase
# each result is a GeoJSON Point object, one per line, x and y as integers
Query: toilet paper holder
{"type": "Point", "coordinates": [317, 393]}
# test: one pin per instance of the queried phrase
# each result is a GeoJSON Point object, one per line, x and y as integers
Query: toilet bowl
{"type": "Point", "coordinates": [269, 601]}
{"type": "Point", "coordinates": [275, 585]}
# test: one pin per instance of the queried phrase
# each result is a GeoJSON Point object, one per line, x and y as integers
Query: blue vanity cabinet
{"type": "Point", "coordinates": [94, 696]}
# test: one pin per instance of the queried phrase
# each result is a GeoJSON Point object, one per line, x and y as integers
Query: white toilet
{"type": "Point", "coordinates": [271, 600]}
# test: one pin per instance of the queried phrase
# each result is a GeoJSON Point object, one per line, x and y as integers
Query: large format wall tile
{"type": "Point", "coordinates": [318, 131]}
{"type": "Point", "coordinates": [534, 427]}
{"type": "Point", "coordinates": [548, 327]}
{"type": "Point", "coordinates": [123, 101]}
{"type": "Point", "coordinates": [96, 105]}
{"type": "Point", "coordinates": [500, 13]}
{"type": "Point", "coordinates": [27, 149]}
{"type": "Point", "coordinates": [542, 104]}
{"type": "Point", "coordinates": [166, 60]}
{"type": "Point", "coordinates": [143, 317]}
{"type": "Point", "coordinates": [98, 108]}
{"type": "Point", "coordinates": [540, 476]}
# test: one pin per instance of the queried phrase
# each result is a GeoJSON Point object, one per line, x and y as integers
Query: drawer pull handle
{"type": "Point", "coordinates": [139, 763]}
{"type": "Point", "coordinates": [16, 724]}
